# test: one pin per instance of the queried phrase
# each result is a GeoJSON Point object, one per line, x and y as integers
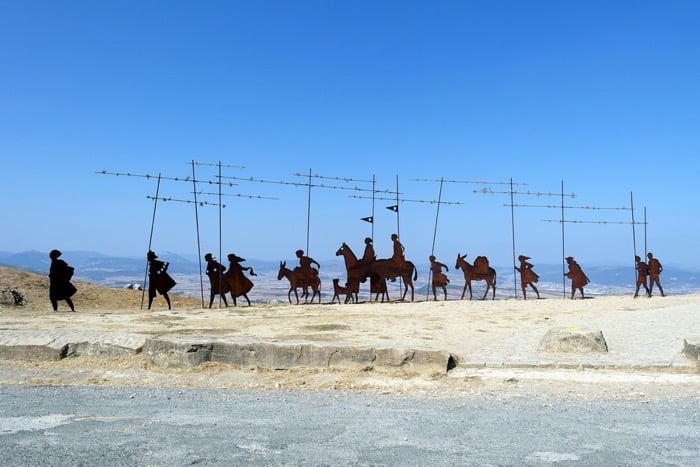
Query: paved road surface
{"type": "Point", "coordinates": [155, 426]}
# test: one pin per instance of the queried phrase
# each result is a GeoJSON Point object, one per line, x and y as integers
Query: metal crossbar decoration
{"type": "Point", "coordinates": [563, 220]}
{"type": "Point", "coordinates": [195, 201]}
{"type": "Point", "coordinates": [438, 203]}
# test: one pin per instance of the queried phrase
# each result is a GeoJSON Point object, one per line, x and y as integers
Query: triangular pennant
{"type": "Point", "coordinates": [394, 208]}
{"type": "Point", "coordinates": [369, 219]}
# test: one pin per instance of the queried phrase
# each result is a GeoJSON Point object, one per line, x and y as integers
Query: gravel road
{"type": "Point", "coordinates": [169, 426]}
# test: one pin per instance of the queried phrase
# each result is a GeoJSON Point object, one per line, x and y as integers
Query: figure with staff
{"type": "Point", "coordinates": [642, 275]}
{"type": "Point", "coordinates": [655, 270]}
{"type": "Point", "coordinates": [527, 275]}
{"type": "Point", "coordinates": [439, 278]}
{"type": "Point", "coordinates": [215, 272]}
{"type": "Point", "coordinates": [577, 276]}
{"type": "Point", "coordinates": [158, 279]}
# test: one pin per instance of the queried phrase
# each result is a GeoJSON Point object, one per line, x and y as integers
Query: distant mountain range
{"type": "Point", "coordinates": [117, 271]}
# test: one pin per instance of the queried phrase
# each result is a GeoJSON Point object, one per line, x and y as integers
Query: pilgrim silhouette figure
{"type": "Point", "coordinates": [527, 275]}
{"type": "Point", "coordinates": [158, 279]}
{"type": "Point", "coordinates": [238, 283]}
{"type": "Point", "coordinates": [577, 276]}
{"type": "Point", "coordinates": [655, 270]}
{"type": "Point", "coordinates": [642, 276]}
{"type": "Point", "coordinates": [215, 272]}
{"type": "Point", "coordinates": [305, 270]}
{"type": "Point", "coordinates": [439, 278]}
{"type": "Point", "coordinates": [60, 287]}
{"type": "Point", "coordinates": [369, 255]}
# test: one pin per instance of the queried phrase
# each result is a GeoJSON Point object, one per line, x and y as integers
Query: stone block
{"type": "Point", "coordinates": [177, 352]}
{"type": "Point", "coordinates": [573, 340]}
{"type": "Point", "coordinates": [690, 348]}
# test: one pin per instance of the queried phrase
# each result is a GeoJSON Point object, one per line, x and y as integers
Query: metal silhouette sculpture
{"type": "Point", "coordinates": [158, 279]}
{"type": "Point", "coordinates": [215, 272]}
{"type": "Point", "coordinates": [527, 276]}
{"type": "Point", "coordinates": [439, 278]}
{"type": "Point", "coordinates": [339, 290]}
{"type": "Point", "coordinates": [299, 280]}
{"type": "Point", "coordinates": [396, 267]}
{"type": "Point", "coordinates": [60, 287]}
{"type": "Point", "coordinates": [480, 271]}
{"type": "Point", "coordinates": [239, 285]}
{"type": "Point", "coordinates": [642, 276]}
{"type": "Point", "coordinates": [655, 269]}
{"type": "Point", "coordinates": [578, 278]}
{"type": "Point", "coordinates": [359, 270]}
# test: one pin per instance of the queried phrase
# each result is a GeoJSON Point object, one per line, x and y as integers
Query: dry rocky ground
{"type": "Point", "coordinates": [478, 331]}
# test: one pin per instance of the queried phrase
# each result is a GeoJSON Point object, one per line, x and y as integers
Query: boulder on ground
{"type": "Point", "coordinates": [573, 340]}
{"type": "Point", "coordinates": [691, 348]}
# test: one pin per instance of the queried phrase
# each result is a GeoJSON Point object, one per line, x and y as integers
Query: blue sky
{"type": "Point", "coordinates": [602, 95]}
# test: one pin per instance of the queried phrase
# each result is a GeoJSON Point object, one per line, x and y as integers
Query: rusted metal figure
{"type": "Point", "coordinates": [158, 279]}
{"type": "Point", "coordinates": [642, 276]}
{"type": "Point", "coordinates": [297, 280]}
{"type": "Point", "coordinates": [359, 270]}
{"type": "Point", "coordinates": [577, 276]}
{"type": "Point", "coordinates": [238, 284]}
{"type": "Point", "coordinates": [480, 271]}
{"type": "Point", "coordinates": [60, 287]}
{"type": "Point", "coordinates": [655, 270]}
{"type": "Point", "coordinates": [397, 266]}
{"type": "Point", "coordinates": [527, 275]}
{"type": "Point", "coordinates": [215, 272]}
{"type": "Point", "coordinates": [339, 290]}
{"type": "Point", "coordinates": [439, 278]}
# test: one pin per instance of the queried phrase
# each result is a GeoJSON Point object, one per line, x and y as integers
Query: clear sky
{"type": "Point", "coordinates": [602, 95]}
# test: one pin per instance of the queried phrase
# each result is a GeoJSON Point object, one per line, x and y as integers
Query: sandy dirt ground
{"type": "Point", "coordinates": [645, 337]}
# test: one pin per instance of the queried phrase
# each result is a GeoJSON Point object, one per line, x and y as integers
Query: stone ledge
{"type": "Point", "coordinates": [182, 352]}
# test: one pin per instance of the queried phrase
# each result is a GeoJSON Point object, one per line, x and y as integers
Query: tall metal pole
{"type": "Point", "coordinates": [512, 230]}
{"type": "Point", "coordinates": [308, 216]}
{"type": "Point", "coordinates": [199, 246]}
{"type": "Point", "coordinates": [374, 184]}
{"type": "Point", "coordinates": [645, 231]}
{"type": "Point", "coordinates": [398, 225]}
{"type": "Point", "coordinates": [221, 278]}
{"type": "Point", "coordinates": [150, 238]}
{"type": "Point", "coordinates": [563, 250]}
{"type": "Point", "coordinates": [634, 235]}
{"type": "Point", "coordinates": [432, 249]}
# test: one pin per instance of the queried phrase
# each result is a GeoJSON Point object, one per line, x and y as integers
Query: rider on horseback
{"type": "Point", "coordinates": [369, 256]}
{"type": "Point", "coordinates": [304, 269]}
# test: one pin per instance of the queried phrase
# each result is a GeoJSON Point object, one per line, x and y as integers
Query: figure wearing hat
{"type": "Point", "coordinates": [577, 276]}
{"type": "Point", "coordinates": [642, 274]}
{"type": "Point", "coordinates": [158, 279]}
{"type": "Point", "coordinates": [215, 272]}
{"type": "Point", "coordinates": [238, 283]}
{"type": "Point", "coordinates": [60, 287]}
{"type": "Point", "coordinates": [527, 275]}
{"type": "Point", "coordinates": [655, 270]}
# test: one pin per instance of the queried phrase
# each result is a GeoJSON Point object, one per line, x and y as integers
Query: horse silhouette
{"type": "Point", "coordinates": [298, 281]}
{"type": "Point", "coordinates": [472, 274]}
{"type": "Point", "coordinates": [388, 269]}
{"type": "Point", "coordinates": [358, 271]}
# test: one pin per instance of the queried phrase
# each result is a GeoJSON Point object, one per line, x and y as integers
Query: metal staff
{"type": "Point", "coordinates": [199, 245]}
{"type": "Point", "coordinates": [150, 239]}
